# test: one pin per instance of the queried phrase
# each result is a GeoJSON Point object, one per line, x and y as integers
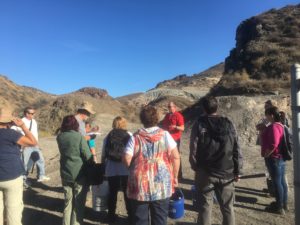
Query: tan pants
{"type": "Point", "coordinates": [75, 197]}
{"type": "Point", "coordinates": [11, 197]}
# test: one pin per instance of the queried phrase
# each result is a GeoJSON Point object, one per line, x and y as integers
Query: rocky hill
{"type": "Point", "coordinates": [266, 47]}
{"type": "Point", "coordinates": [52, 108]}
{"type": "Point", "coordinates": [17, 97]}
{"type": "Point", "coordinates": [267, 44]}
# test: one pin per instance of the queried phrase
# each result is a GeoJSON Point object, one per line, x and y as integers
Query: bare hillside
{"type": "Point", "coordinates": [17, 97]}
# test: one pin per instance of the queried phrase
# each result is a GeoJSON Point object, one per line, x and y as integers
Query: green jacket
{"type": "Point", "coordinates": [74, 152]}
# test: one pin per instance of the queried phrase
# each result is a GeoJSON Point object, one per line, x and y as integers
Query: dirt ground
{"type": "Point", "coordinates": [44, 202]}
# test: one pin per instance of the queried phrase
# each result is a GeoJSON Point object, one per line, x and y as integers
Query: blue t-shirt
{"type": "Point", "coordinates": [11, 165]}
{"type": "Point", "coordinates": [91, 143]}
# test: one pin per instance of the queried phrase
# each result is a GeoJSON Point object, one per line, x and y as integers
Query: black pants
{"type": "Point", "coordinates": [156, 211]}
{"type": "Point", "coordinates": [115, 182]}
{"type": "Point", "coordinates": [180, 167]}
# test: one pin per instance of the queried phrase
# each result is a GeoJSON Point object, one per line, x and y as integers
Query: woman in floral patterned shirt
{"type": "Point", "coordinates": [153, 160]}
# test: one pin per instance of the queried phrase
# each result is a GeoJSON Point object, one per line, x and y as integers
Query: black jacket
{"type": "Point", "coordinates": [214, 147]}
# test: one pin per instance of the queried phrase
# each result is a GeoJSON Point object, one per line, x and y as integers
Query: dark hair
{"type": "Point", "coordinates": [210, 104]}
{"type": "Point", "coordinates": [149, 116]}
{"type": "Point", "coordinates": [83, 111]}
{"type": "Point", "coordinates": [273, 111]}
{"type": "Point", "coordinates": [26, 110]}
{"type": "Point", "coordinates": [283, 119]}
{"type": "Point", "coordinates": [69, 123]}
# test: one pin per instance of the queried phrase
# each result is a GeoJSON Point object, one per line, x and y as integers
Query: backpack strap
{"type": "Point", "coordinates": [30, 126]}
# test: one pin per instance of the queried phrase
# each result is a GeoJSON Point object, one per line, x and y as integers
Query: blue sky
{"type": "Point", "coordinates": [123, 46]}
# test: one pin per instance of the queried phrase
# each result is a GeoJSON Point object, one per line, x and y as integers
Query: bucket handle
{"type": "Point", "coordinates": [178, 190]}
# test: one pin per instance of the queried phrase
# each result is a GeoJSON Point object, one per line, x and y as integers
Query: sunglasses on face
{"type": "Point", "coordinates": [30, 113]}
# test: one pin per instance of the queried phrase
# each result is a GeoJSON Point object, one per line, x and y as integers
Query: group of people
{"type": "Point", "coordinates": [145, 165]}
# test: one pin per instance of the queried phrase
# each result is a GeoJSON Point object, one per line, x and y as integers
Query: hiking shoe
{"type": "Point", "coordinates": [43, 178]}
{"type": "Point", "coordinates": [280, 211]}
{"type": "Point", "coordinates": [273, 208]}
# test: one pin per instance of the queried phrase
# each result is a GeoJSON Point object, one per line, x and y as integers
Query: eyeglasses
{"type": "Point", "coordinates": [30, 113]}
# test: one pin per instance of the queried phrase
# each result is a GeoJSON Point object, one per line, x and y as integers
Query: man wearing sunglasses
{"type": "Point", "coordinates": [33, 154]}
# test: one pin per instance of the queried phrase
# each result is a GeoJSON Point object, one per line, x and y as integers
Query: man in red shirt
{"type": "Point", "coordinates": [174, 123]}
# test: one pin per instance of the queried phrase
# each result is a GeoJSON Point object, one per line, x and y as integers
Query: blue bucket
{"type": "Point", "coordinates": [176, 205]}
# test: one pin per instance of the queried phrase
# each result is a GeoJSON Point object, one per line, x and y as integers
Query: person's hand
{"type": "Point", "coordinates": [95, 129]}
{"type": "Point", "coordinates": [175, 182]}
{"type": "Point", "coordinates": [95, 158]}
{"type": "Point", "coordinates": [237, 178]}
{"type": "Point", "coordinates": [172, 127]}
{"type": "Point", "coordinates": [18, 122]}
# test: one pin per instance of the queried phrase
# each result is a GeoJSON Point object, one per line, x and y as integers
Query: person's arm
{"type": "Point", "coordinates": [193, 146]}
{"type": "Point", "coordinates": [126, 159]}
{"type": "Point", "coordinates": [103, 153]}
{"type": "Point", "coordinates": [28, 139]}
{"type": "Point", "coordinates": [274, 136]}
{"type": "Point", "coordinates": [93, 151]}
{"type": "Point", "coordinates": [181, 127]}
{"type": "Point", "coordinates": [236, 155]}
{"type": "Point", "coordinates": [128, 152]}
{"type": "Point", "coordinates": [175, 160]}
{"type": "Point", "coordinates": [179, 123]}
{"type": "Point", "coordinates": [85, 150]}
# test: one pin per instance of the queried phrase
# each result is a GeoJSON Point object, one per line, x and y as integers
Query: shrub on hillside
{"type": "Point", "coordinates": [267, 45]}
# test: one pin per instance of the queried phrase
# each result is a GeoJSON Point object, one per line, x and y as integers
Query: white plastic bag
{"type": "Point", "coordinates": [100, 196]}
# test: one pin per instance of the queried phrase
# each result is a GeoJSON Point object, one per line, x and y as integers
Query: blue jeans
{"type": "Point", "coordinates": [276, 169]}
{"type": "Point", "coordinates": [158, 212]}
{"type": "Point", "coordinates": [28, 162]}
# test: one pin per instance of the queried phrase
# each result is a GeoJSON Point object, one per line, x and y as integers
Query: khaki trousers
{"type": "Point", "coordinates": [224, 189]}
{"type": "Point", "coordinates": [75, 197]}
{"type": "Point", "coordinates": [11, 198]}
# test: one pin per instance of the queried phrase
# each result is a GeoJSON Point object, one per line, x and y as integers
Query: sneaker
{"type": "Point", "coordinates": [273, 208]}
{"type": "Point", "coordinates": [286, 207]}
{"type": "Point", "coordinates": [43, 178]}
{"type": "Point", "coordinates": [280, 211]}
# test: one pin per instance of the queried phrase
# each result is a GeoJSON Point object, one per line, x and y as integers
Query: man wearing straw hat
{"type": "Point", "coordinates": [82, 115]}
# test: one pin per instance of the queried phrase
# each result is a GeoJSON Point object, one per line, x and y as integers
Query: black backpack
{"type": "Point", "coordinates": [214, 140]}
{"type": "Point", "coordinates": [115, 144]}
{"type": "Point", "coordinates": [286, 145]}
